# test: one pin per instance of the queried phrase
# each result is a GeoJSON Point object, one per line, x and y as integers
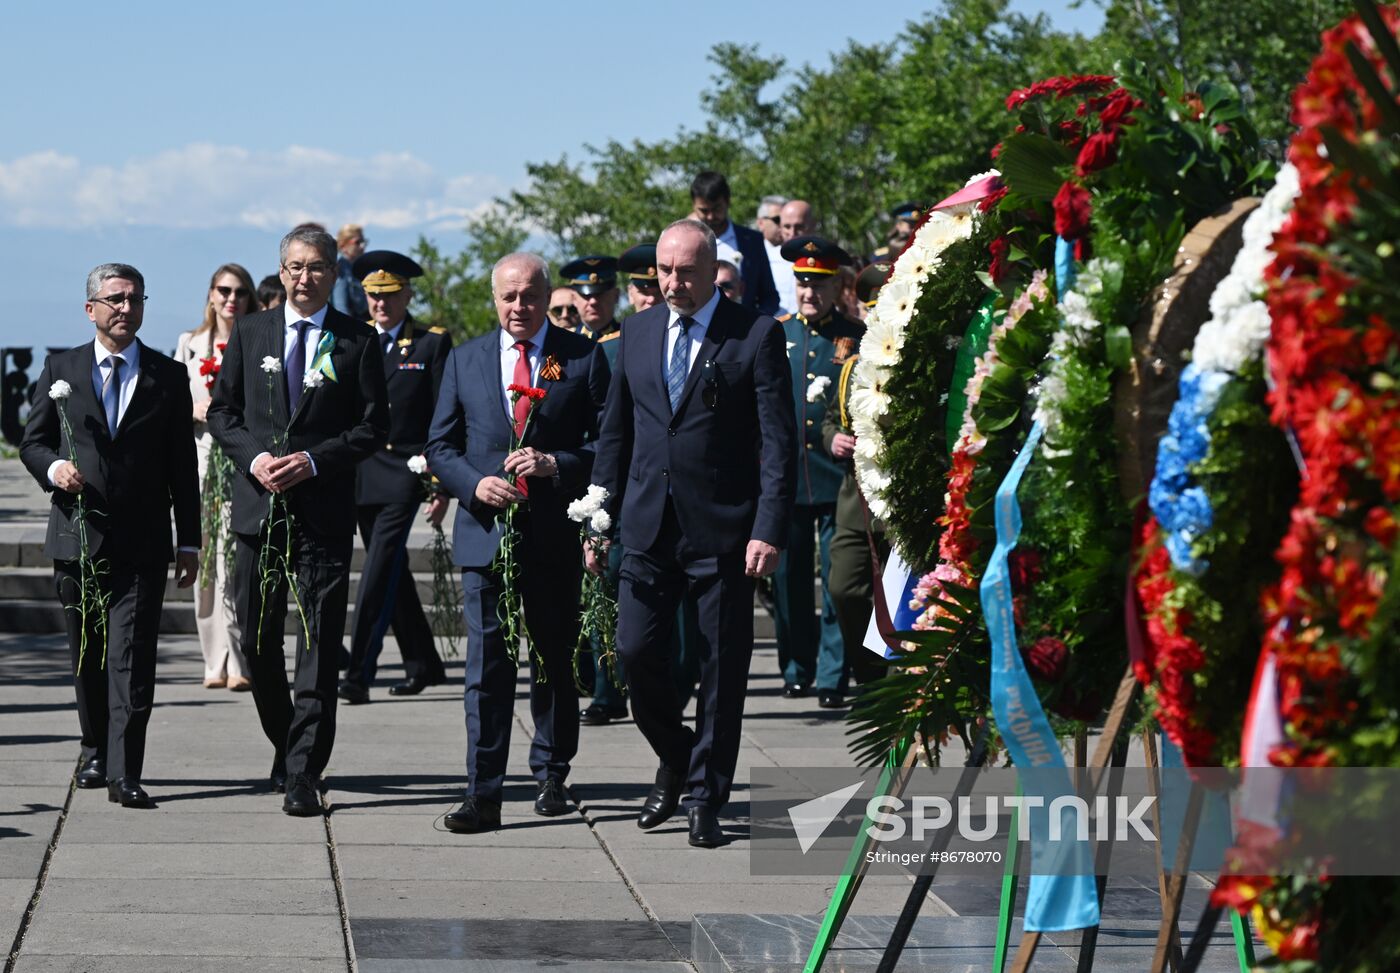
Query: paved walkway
{"type": "Point", "coordinates": [217, 877]}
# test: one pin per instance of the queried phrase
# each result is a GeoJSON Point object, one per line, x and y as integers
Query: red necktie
{"type": "Point", "coordinates": [522, 404]}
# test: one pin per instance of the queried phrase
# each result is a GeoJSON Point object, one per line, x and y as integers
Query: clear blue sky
{"type": "Point", "coordinates": [177, 136]}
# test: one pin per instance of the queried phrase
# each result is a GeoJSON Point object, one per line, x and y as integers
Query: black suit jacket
{"type": "Point", "coordinates": [412, 377]}
{"type": "Point", "coordinates": [133, 480]}
{"type": "Point", "coordinates": [471, 436]}
{"type": "Point", "coordinates": [760, 293]}
{"type": "Point", "coordinates": [727, 456]}
{"type": "Point", "coordinates": [339, 424]}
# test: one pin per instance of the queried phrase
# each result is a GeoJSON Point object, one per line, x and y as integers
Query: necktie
{"type": "Point", "coordinates": [679, 366]}
{"type": "Point", "coordinates": [386, 343]}
{"type": "Point", "coordinates": [296, 366]}
{"type": "Point", "coordinates": [522, 404]}
{"type": "Point", "coordinates": [112, 392]}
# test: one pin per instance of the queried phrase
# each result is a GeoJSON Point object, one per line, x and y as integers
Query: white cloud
{"type": "Point", "coordinates": [206, 186]}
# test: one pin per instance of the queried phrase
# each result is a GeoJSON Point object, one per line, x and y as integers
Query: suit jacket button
{"type": "Point", "coordinates": [389, 447]}
{"type": "Point", "coordinates": [665, 472]}
{"type": "Point", "coordinates": [810, 375]}
{"type": "Point", "coordinates": [671, 431]}
{"type": "Point", "coordinates": [809, 422]}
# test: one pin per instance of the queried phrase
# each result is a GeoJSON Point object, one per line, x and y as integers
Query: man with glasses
{"type": "Point", "coordinates": [563, 309]}
{"type": "Point", "coordinates": [769, 224]}
{"type": "Point", "coordinates": [729, 281]}
{"type": "Point", "coordinates": [300, 401]}
{"type": "Point", "coordinates": [819, 340]}
{"type": "Point", "coordinates": [593, 280]}
{"type": "Point", "coordinates": [388, 493]}
{"type": "Point", "coordinates": [116, 452]}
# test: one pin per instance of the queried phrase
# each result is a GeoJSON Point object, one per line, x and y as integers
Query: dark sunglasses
{"type": "Point", "coordinates": [564, 310]}
{"type": "Point", "coordinates": [225, 292]}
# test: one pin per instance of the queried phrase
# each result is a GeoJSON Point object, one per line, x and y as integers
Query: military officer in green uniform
{"type": "Point", "coordinates": [594, 280]}
{"type": "Point", "coordinates": [852, 569]}
{"type": "Point", "coordinates": [819, 340]}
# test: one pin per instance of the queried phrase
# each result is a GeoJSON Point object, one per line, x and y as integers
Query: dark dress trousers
{"type": "Point", "coordinates": [339, 424]}
{"type": "Point", "coordinates": [133, 481]}
{"type": "Point", "coordinates": [692, 488]}
{"type": "Point", "coordinates": [387, 497]}
{"type": "Point", "coordinates": [469, 440]}
{"type": "Point", "coordinates": [760, 293]}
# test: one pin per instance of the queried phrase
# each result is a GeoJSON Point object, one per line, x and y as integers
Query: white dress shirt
{"type": "Point", "coordinates": [509, 356]}
{"type": "Point", "coordinates": [131, 368]}
{"type": "Point", "coordinates": [289, 338]}
{"type": "Point", "coordinates": [783, 278]}
{"type": "Point", "coordinates": [700, 326]}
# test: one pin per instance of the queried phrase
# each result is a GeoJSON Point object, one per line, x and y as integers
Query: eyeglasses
{"type": "Point", "coordinates": [728, 286]}
{"type": "Point", "coordinates": [316, 270]}
{"type": "Point", "coordinates": [226, 292]}
{"type": "Point", "coordinates": [564, 311]}
{"type": "Point", "coordinates": [769, 219]}
{"type": "Point", "coordinates": [118, 301]}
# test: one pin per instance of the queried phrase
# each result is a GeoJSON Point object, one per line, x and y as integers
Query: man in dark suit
{"type": "Point", "coordinates": [470, 450]}
{"type": "Point", "coordinates": [387, 492]}
{"type": "Point", "coordinates": [709, 197]}
{"type": "Point", "coordinates": [299, 402]}
{"type": "Point", "coordinates": [697, 454]}
{"type": "Point", "coordinates": [126, 451]}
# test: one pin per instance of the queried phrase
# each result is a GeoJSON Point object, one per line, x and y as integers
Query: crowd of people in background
{"type": "Point", "coordinates": [713, 418]}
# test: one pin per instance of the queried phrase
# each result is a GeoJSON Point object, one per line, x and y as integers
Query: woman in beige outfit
{"type": "Point", "coordinates": [231, 295]}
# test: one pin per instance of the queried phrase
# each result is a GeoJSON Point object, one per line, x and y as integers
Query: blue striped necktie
{"type": "Point", "coordinates": [679, 367]}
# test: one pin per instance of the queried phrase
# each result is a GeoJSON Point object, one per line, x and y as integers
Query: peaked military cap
{"type": "Point", "coordinates": [590, 275]}
{"type": "Point", "coordinates": [384, 271]}
{"type": "Point", "coordinates": [813, 258]}
{"type": "Point", "coordinates": [870, 281]}
{"type": "Point", "coordinates": [639, 263]}
{"type": "Point", "coordinates": [911, 211]}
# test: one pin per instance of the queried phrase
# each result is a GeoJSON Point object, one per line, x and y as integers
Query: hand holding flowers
{"type": "Point", "coordinates": [598, 620]}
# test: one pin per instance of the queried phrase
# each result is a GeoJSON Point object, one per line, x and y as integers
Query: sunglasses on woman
{"type": "Point", "coordinates": [225, 292]}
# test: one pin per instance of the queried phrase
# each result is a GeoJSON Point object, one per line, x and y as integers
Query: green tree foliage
{"type": "Point", "coordinates": [880, 123]}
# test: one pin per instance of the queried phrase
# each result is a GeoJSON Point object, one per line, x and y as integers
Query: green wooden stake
{"type": "Point", "coordinates": [1007, 913]}
{"type": "Point", "coordinates": [854, 873]}
{"type": "Point", "coordinates": [1244, 941]}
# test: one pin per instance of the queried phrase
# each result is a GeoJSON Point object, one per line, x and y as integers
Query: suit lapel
{"type": "Point", "coordinates": [488, 365]}
{"type": "Point", "coordinates": [398, 352]}
{"type": "Point", "coordinates": [85, 395]}
{"type": "Point", "coordinates": [546, 347]}
{"type": "Point", "coordinates": [145, 387]}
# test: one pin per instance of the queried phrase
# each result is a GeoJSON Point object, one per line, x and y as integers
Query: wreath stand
{"type": "Point", "coordinates": [1145, 394]}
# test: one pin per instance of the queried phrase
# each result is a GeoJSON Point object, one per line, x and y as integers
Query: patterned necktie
{"type": "Point", "coordinates": [296, 366]}
{"type": "Point", "coordinates": [522, 404]}
{"type": "Point", "coordinates": [679, 367]}
{"type": "Point", "coordinates": [112, 392]}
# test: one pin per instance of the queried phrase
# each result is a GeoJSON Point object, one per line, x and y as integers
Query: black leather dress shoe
{"type": "Point", "coordinates": [474, 815]}
{"type": "Point", "coordinates": [831, 699]}
{"type": "Point", "coordinates": [552, 801]}
{"type": "Point", "coordinates": [127, 792]}
{"type": "Point", "coordinates": [662, 801]}
{"type": "Point", "coordinates": [412, 686]}
{"type": "Point", "coordinates": [301, 801]}
{"type": "Point", "coordinates": [93, 773]}
{"type": "Point", "coordinates": [596, 715]}
{"type": "Point", "coordinates": [704, 827]}
{"type": "Point", "coordinates": [352, 692]}
{"type": "Point", "coordinates": [794, 690]}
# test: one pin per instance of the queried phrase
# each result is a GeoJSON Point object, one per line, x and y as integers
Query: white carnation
{"type": "Point", "coordinates": [60, 390]}
{"type": "Point", "coordinates": [313, 380]}
{"type": "Point", "coordinates": [817, 389]}
{"type": "Point", "coordinates": [589, 505]}
{"type": "Point", "coordinates": [600, 522]}
{"type": "Point", "coordinates": [418, 464]}
{"type": "Point", "coordinates": [272, 364]}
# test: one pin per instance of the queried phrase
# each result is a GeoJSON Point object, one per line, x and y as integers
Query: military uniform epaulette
{"type": "Point", "coordinates": [610, 336]}
{"type": "Point", "coordinates": [437, 329]}
{"type": "Point", "coordinates": [783, 317]}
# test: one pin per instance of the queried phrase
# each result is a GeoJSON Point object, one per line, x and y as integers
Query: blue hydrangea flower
{"type": "Point", "coordinates": [1180, 505]}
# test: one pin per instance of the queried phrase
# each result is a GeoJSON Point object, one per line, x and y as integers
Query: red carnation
{"type": "Point", "coordinates": [1047, 659]}
{"type": "Point", "coordinates": [999, 249]}
{"type": "Point", "coordinates": [992, 199]}
{"type": "Point", "coordinates": [1099, 152]}
{"type": "Point", "coordinates": [1072, 211]}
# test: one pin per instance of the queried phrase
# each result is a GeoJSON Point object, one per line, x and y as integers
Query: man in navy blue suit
{"type": "Point", "coordinates": [709, 198]}
{"type": "Point", "coordinates": [697, 453]}
{"type": "Point", "coordinates": [469, 450]}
